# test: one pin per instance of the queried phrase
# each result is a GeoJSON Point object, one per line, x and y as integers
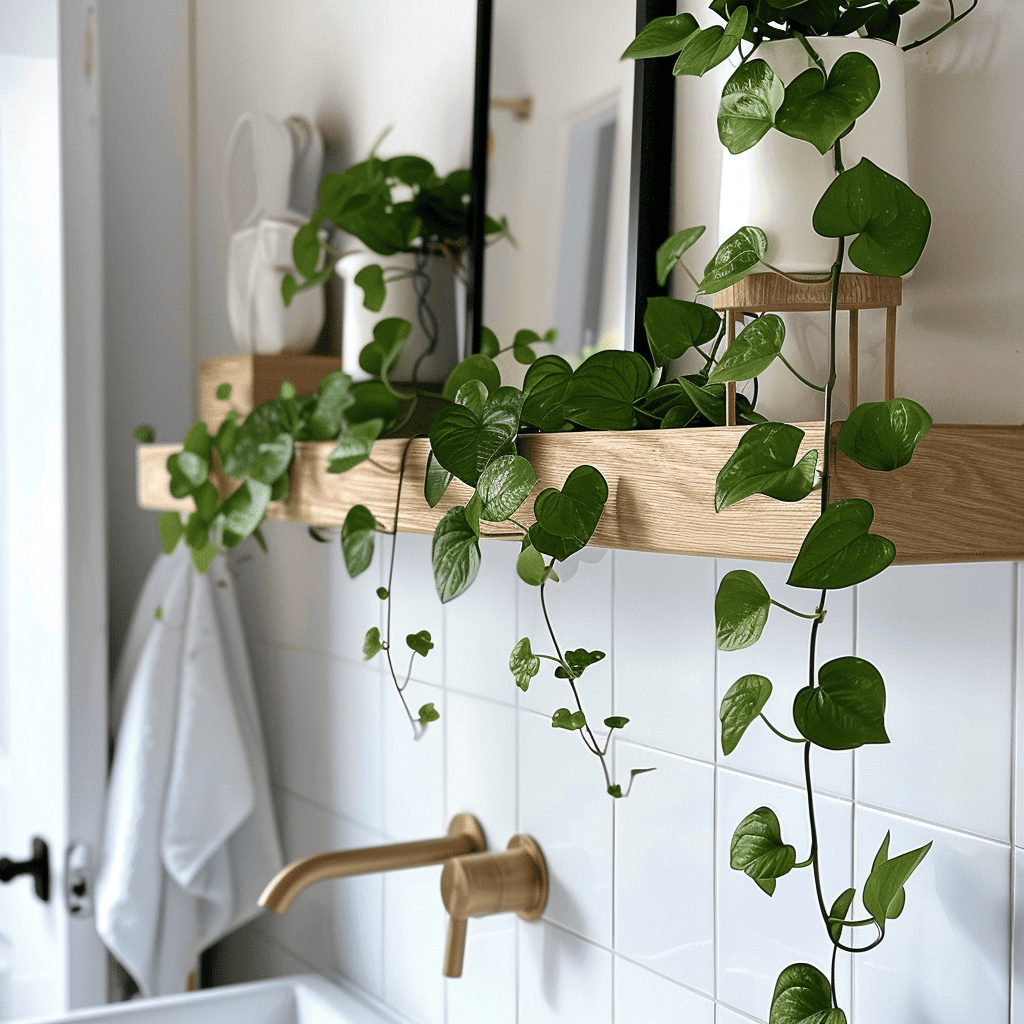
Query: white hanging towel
{"type": "Point", "coordinates": [190, 838]}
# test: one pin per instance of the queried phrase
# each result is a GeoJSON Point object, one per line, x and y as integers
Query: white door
{"type": "Point", "coordinates": [53, 639]}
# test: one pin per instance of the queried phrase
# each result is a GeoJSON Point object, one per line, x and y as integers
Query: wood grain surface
{"type": "Point", "coordinates": [761, 293]}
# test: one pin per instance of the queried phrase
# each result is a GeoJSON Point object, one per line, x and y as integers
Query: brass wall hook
{"type": "Point", "coordinates": [491, 883]}
{"type": "Point", "coordinates": [464, 837]}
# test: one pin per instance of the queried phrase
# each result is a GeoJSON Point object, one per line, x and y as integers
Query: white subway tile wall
{"type": "Point", "coordinates": [646, 921]}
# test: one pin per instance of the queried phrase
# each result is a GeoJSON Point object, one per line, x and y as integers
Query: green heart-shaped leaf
{"type": "Point", "coordinates": [754, 350]}
{"type": "Point", "coordinates": [737, 256]}
{"type": "Point", "coordinates": [741, 610]}
{"type": "Point", "coordinates": [489, 345]}
{"type": "Point", "coordinates": [333, 398]}
{"type": "Point", "coordinates": [455, 554]}
{"type": "Point", "coordinates": [355, 445]}
{"type": "Point", "coordinates": [503, 487]}
{"type": "Point", "coordinates": [145, 433]}
{"type": "Point", "coordinates": [838, 913]}
{"type": "Point", "coordinates": [674, 325]}
{"type": "Point", "coordinates": [371, 280]}
{"type": "Point", "coordinates": [563, 718]}
{"type": "Point", "coordinates": [464, 443]}
{"type": "Point", "coordinates": [473, 395]}
{"type": "Point", "coordinates": [544, 387]}
{"type": "Point", "coordinates": [530, 565]}
{"type": "Point", "coordinates": [838, 551]}
{"type": "Point", "coordinates": [741, 705]}
{"type": "Point", "coordinates": [662, 37]}
{"type": "Point", "coordinates": [890, 220]}
{"type": "Point", "coordinates": [847, 707]}
{"type": "Point", "coordinates": [574, 511]}
{"type": "Point", "coordinates": [358, 534]}
{"type": "Point", "coordinates": [709, 399]}
{"type": "Point", "coordinates": [708, 48]}
{"type": "Point", "coordinates": [412, 170]}
{"type": "Point", "coordinates": [420, 643]}
{"type": "Point", "coordinates": [883, 891]}
{"type": "Point", "coordinates": [670, 251]}
{"type": "Point", "coordinates": [522, 347]}
{"type": "Point", "coordinates": [371, 400]}
{"type": "Point", "coordinates": [435, 481]}
{"type": "Point", "coordinates": [578, 661]}
{"type": "Point", "coordinates": [242, 512]}
{"type": "Point", "coordinates": [389, 337]}
{"type": "Point", "coordinates": [428, 713]}
{"type": "Point", "coordinates": [763, 464]}
{"type": "Point", "coordinates": [803, 995]}
{"type": "Point", "coordinates": [170, 526]}
{"type": "Point", "coordinates": [749, 103]}
{"type": "Point", "coordinates": [820, 111]}
{"type": "Point", "coordinates": [883, 435]}
{"type": "Point", "coordinates": [476, 367]}
{"type": "Point", "coordinates": [602, 391]}
{"type": "Point", "coordinates": [616, 722]}
{"type": "Point", "coordinates": [523, 663]}
{"type": "Point", "coordinates": [758, 851]}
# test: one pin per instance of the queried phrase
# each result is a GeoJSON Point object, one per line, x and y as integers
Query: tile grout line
{"type": "Point", "coordinates": [854, 817]}
{"type": "Point", "coordinates": [445, 737]}
{"type": "Point", "coordinates": [613, 752]}
{"type": "Point", "coordinates": [714, 818]}
{"type": "Point", "coordinates": [1016, 644]}
{"type": "Point", "coordinates": [517, 933]}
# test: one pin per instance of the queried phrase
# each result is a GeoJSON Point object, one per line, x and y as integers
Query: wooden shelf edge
{"type": "Point", "coordinates": [958, 501]}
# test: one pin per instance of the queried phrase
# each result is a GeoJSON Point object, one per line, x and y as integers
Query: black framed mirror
{"type": "Point", "coordinates": [579, 144]}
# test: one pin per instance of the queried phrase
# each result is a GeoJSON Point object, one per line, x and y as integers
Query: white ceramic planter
{"type": "Point", "coordinates": [777, 184]}
{"type": "Point", "coordinates": [447, 298]}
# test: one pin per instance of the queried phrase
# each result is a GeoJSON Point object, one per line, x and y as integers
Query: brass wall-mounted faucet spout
{"type": "Point", "coordinates": [491, 883]}
{"type": "Point", "coordinates": [464, 837]}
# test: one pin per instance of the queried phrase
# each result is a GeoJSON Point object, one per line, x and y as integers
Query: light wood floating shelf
{"type": "Point", "coordinates": [960, 499]}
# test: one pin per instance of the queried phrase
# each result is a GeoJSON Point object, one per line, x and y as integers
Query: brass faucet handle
{"type": "Point", "coordinates": [491, 883]}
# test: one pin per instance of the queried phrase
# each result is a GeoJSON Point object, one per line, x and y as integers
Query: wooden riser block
{"type": "Point", "coordinates": [770, 293]}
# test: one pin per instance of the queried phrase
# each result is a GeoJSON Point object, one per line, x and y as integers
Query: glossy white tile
{"type": "Point", "coordinates": [562, 977]}
{"type": "Point", "coordinates": [758, 935]}
{"type": "Point", "coordinates": [414, 605]}
{"type": "Point", "coordinates": [728, 1016]}
{"type": "Point", "coordinates": [487, 988]}
{"type": "Point", "coordinates": [665, 867]}
{"type": "Point", "coordinates": [942, 637]}
{"type": "Point", "coordinates": [946, 959]}
{"type": "Point", "coordinates": [580, 608]}
{"type": "Point", "coordinates": [1018, 837]}
{"type": "Point", "coordinates": [480, 627]}
{"type": "Point", "coordinates": [782, 655]}
{"type": "Point", "coordinates": [481, 764]}
{"type": "Point", "coordinates": [664, 630]}
{"type": "Point", "coordinates": [564, 806]}
{"type": "Point", "coordinates": [643, 997]}
{"type": "Point", "coordinates": [414, 804]}
{"type": "Point", "coordinates": [352, 605]}
{"type": "Point", "coordinates": [1017, 988]}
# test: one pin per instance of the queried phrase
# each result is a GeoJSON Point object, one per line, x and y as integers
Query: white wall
{"type": "Point", "coordinates": [646, 921]}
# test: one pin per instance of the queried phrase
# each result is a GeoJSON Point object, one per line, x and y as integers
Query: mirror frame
{"type": "Point", "coordinates": [650, 185]}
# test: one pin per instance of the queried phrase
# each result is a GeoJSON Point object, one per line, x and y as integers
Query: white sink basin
{"type": "Point", "coordinates": [302, 999]}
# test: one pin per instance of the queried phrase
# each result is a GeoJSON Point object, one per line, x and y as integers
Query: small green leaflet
{"type": "Point", "coordinates": [530, 565]}
{"type": "Point", "coordinates": [838, 551]}
{"type": "Point", "coordinates": [670, 251]}
{"type": "Point", "coordinates": [763, 464]}
{"type": "Point", "coordinates": [847, 707]}
{"type": "Point", "coordinates": [223, 392]}
{"type": "Point", "coordinates": [821, 111]}
{"type": "Point", "coordinates": [883, 435]}
{"type": "Point", "coordinates": [476, 367]}
{"type": "Point", "coordinates": [170, 526]}
{"type": "Point", "coordinates": [662, 37]}
{"type": "Point", "coordinates": [287, 391]}
{"type": "Point", "coordinates": [741, 705]}
{"type": "Point", "coordinates": [803, 995]}
{"type": "Point", "coordinates": [563, 718]}
{"type": "Point", "coordinates": [749, 103]}
{"type": "Point", "coordinates": [435, 481]}
{"type": "Point", "coordinates": [883, 891]}
{"type": "Point", "coordinates": [355, 445]}
{"type": "Point", "coordinates": [358, 534]}
{"type": "Point", "coordinates": [602, 391]}
{"type": "Point", "coordinates": [383, 593]}
{"type": "Point", "coordinates": [489, 344]}
{"type": "Point", "coordinates": [144, 433]}
{"type": "Point", "coordinates": [741, 610]}
{"type": "Point", "coordinates": [737, 256]}
{"type": "Point", "coordinates": [708, 48]}
{"type": "Point", "coordinates": [455, 553]}
{"type": "Point", "coordinates": [544, 386]}
{"type": "Point", "coordinates": [616, 790]}
{"type": "Point", "coordinates": [674, 325]}
{"type": "Point", "coordinates": [616, 722]}
{"type": "Point", "coordinates": [379, 356]}
{"type": "Point", "coordinates": [158, 613]}
{"type": "Point", "coordinates": [838, 913]}
{"type": "Point", "coordinates": [522, 350]}
{"type": "Point", "coordinates": [333, 398]}
{"type": "Point", "coordinates": [891, 221]}
{"type": "Point", "coordinates": [758, 851]}
{"type": "Point", "coordinates": [503, 486]}
{"type": "Point", "coordinates": [523, 663]}
{"type": "Point", "coordinates": [371, 280]}
{"type": "Point", "coordinates": [202, 557]}
{"type": "Point", "coordinates": [420, 643]}
{"type": "Point", "coordinates": [754, 350]}
{"type": "Point", "coordinates": [243, 510]}
{"type": "Point", "coordinates": [428, 713]}
{"type": "Point", "coordinates": [371, 643]}
{"type": "Point", "coordinates": [579, 661]}
{"type": "Point", "coordinates": [567, 518]}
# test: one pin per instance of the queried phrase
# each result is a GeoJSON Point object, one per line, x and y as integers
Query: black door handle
{"type": "Point", "coordinates": [38, 866]}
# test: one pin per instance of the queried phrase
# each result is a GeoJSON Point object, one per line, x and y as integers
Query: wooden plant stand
{"type": "Point", "coordinates": [770, 293]}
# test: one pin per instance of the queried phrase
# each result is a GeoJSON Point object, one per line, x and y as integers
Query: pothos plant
{"type": "Point", "coordinates": [842, 707]}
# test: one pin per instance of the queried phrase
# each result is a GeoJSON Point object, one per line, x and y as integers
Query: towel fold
{"type": "Point", "coordinates": [190, 838]}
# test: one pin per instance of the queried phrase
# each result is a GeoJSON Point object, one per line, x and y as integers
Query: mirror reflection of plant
{"type": "Point", "coordinates": [843, 705]}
